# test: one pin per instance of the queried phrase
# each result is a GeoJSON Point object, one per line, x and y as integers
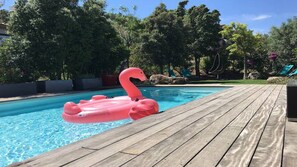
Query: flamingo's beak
{"type": "Point", "coordinates": [143, 78]}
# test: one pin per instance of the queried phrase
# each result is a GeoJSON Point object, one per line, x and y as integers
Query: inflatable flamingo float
{"type": "Point", "coordinates": [103, 109]}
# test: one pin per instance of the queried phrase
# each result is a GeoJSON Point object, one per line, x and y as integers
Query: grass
{"type": "Point", "coordinates": [240, 81]}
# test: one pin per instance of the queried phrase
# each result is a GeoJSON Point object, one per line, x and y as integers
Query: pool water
{"type": "Point", "coordinates": [31, 127]}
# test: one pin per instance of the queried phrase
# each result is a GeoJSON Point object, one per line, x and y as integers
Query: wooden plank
{"type": "Point", "coordinates": [206, 116]}
{"type": "Point", "coordinates": [242, 150]}
{"type": "Point", "coordinates": [193, 122]}
{"type": "Point", "coordinates": [269, 150]}
{"type": "Point", "coordinates": [186, 152]}
{"type": "Point", "coordinates": [118, 146]}
{"type": "Point", "coordinates": [291, 127]}
{"type": "Point", "coordinates": [117, 159]}
{"type": "Point", "coordinates": [183, 112]}
{"type": "Point", "coordinates": [280, 109]}
{"type": "Point", "coordinates": [290, 145]}
{"type": "Point", "coordinates": [183, 148]}
{"type": "Point", "coordinates": [66, 157]}
{"type": "Point", "coordinates": [122, 132]}
{"type": "Point", "coordinates": [241, 121]}
{"type": "Point", "coordinates": [218, 147]}
{"type": "Point", "coordinates": [290, 150]}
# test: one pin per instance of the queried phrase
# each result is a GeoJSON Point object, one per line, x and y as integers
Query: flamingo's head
{"type": "Point", "coordinates": [134, 72]}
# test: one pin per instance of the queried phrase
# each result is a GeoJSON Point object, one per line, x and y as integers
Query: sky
{"type": "Point", "coordinates": [259, 15]}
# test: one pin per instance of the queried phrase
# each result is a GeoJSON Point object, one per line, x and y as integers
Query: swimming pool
{"type": "Point", "coordinates": [31, 127]}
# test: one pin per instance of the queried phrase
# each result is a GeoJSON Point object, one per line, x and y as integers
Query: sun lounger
{"type": "Point", "coordinates": [293, 73]}
{"type": "Point", "coordinates": [170, 72]}
{"type": "Point", "coordinates": [186, 72]}
{"type": "Point", "coordinates": [285, 70]}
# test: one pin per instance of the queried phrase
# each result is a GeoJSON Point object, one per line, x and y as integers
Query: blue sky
{"type": "Point", "coordinates": [259, 15]}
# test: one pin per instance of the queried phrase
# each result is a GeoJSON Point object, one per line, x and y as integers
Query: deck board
{"type": "Point", "coordinates": [269, 149]}
{"type": "Point", "coordinates": [241, 126]}
{"type": "Point", "coordinates": [242, 149]}
{"type": "Point", "coordinates": [119, 146]}
{"type": "Point", "coordinates": [110, 137]}
{"type": "Point", "coordinates": [290, 145]}
{"type": "Point", "coordinates": [187, 151]}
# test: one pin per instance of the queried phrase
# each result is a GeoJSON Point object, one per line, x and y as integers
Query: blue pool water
{"type": "Point", "coordinates": [31, 127]}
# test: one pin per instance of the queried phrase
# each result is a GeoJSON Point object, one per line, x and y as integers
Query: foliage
{"type": "Point", "coordinates": [163, 41]}
{"type": "Point", "coordinates": [4, 16]}
{"type": "Point", "coordinates": [205, 64]}
{"type": "Point", "coordinates": [128, 28]}
{"type": "Point", "coordinates": [106, 48]}
{"type": "Point", "coordinates": [259, 58]}
{"type": "Point", "coordinates": [181, 10]}
{"type": "Point", "coordinates": [15, 65]}
{"type": "Point", "coordinates": [38, 22]}
{"type": "Point", "coordinates": [283, 41]}
{"type": "Point", "coordinates": [66, 39]}
{"type": "Point", "coordinates": [139, 59]}
{"type": "Point", "coordinates": [203, 27]}
{"type": "Point", "coordinates": [241, 41]}
{"type": "Point", "coordinates": [58, 39]}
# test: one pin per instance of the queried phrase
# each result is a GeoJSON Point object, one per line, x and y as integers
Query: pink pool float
{"type": "Point", "coordinates": [103, 109]}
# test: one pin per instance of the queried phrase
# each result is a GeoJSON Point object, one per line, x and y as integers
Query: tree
{"type": "Point", "coordinates": [15, 64]}
{"type": "Point", "coordinates": [128, 28]}
{"type": "Point", "coordinates": [204, 27]}
{"type": "Point", "coordinates": [181, 10]}
{"type": "Point", "coordinates": [62, 38]}
{"type": "Point", "coordinates": [260, 55]}
{"type": "Point", "coordinates": [4, 16]}
{"type": "Point", "coordinates": [138, 59]}
{"type": "Point", "coordinates": [242, 41]}
{"type": "Point", "coordinates": [39, 22]}
{"type": "Point", "coordinates": [152, 48]}
{"type": "Point", "coordinates": [283, 41]}
{"type": "Point", "coordinates": [163, 41]}
{"type": "Point", "coordinates": [107, 50]}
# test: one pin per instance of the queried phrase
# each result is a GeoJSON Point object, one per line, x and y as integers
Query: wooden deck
{"type": "Point", "coordinates": [240, 126]}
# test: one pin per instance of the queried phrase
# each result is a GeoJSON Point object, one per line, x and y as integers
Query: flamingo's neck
{"type": "Point", "coordinates": [132, 91]}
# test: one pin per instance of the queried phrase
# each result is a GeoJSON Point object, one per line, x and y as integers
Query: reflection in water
{"type": "Point", "coordinates": [174, 94]}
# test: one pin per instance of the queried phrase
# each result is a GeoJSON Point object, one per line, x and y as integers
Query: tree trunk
{"type": "Point", "coordinates": [245, 68]}
{"type": "Point", "coordinates": [128, 62]}
{"type": "Point", "coordinates": [197, 62]}
{"type": "Point", "coordinates": [128, 58]}
{"type": "Point", "coordinates": [233, 66]}
{"type": "Point", "coordinates": [168, 69]}
{"type": "Point", "coordinates": [59, 73]}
